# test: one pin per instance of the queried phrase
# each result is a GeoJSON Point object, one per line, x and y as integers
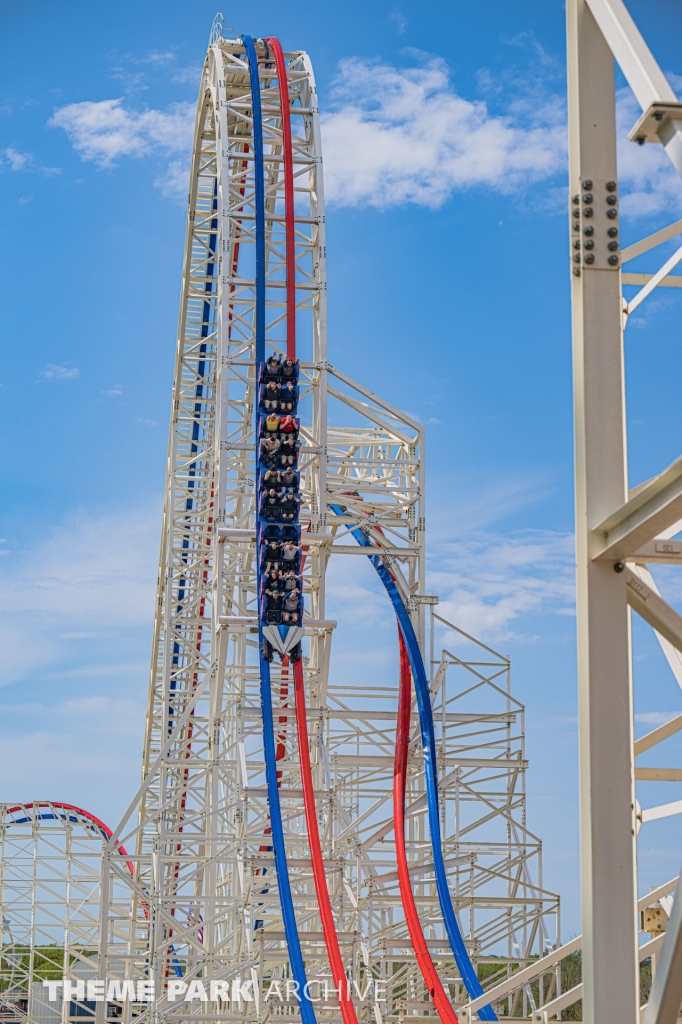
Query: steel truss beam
{"type": "Point", "coordinates": [613, 525]}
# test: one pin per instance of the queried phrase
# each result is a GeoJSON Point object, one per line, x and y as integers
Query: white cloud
{"type": "Point", "coordinates": [398, 135]}
{"type": "Point", "coordinates": [54, 372]}
{"type": "Point", "coordinates": [490, 581]}
{"type": "Point", "coordinates": [405, 135]}
{"type": "Point", "coordinates": [400, 22]}
{"type": "Point", "coordinates": [160, 57]}
{"type": "Point", "coordinates": [656, 717]}
{"type": "Point", "coordinates": [92, 576]}
{"type": "Point", "coordinates": [105, 130]}
{"type": "Point", "coordinates": [649, 182]}
{"type": "Point", "coordinates": [355, 595]}
{"type": "Point", "coordinates": [18, 161]}
{"type": "Point", "coordinates": [113, 392]}
{"type": "Point", "coordinates": [174, 182]}
{"type": "Point", "coordinates": [25, 162]}
{"type": "Point", "coordinates": [187, 76]}
{"type": "Point", "coordinates": [84, 750]}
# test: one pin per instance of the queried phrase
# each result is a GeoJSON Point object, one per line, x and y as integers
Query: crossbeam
{"type": "Point", "coordinates": [662, 111]}
{"type": "Point", "coordinates": [653, 508]}
{"type": "Point", "coordinates": [653, 609]}
{"type": "Point", "coordinates": [543, 965]}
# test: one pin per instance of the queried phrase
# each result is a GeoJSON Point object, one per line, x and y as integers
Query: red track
{"type": "Point", "coordinates": [79, 810]}
{"type": "Point", "coordinates": [426, 965]}
{"type": "Point", "coordinates": [289, 227]}
{"type": "Point", "coordinates": [325, 908]}
{"type": "Point", "coordinates": [402, 740]}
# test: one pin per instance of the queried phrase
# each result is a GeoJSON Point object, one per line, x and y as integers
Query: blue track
{"type": "Point", "coordinates": [466, 968]}
{"type": "Point", "coordinates": [283, 882]}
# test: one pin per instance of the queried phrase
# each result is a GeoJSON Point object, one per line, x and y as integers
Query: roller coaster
{"type": "Point", "coordinates": [303, 846]}
{"type": "Point", "coordinates": [281, 832]}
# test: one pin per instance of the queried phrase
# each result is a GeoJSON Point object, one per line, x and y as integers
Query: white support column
{"type": "Point", "coordinates": [662, 117]}
{"type": "Point", "coordinates": [609, 902]}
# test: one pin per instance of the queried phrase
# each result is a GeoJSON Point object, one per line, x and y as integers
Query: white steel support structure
{"type": "Point", "coordinates": [607, 797]}
{"type": "Point", "coordinates": [188, 889]}
{"type": "Point", "coordinates": [614, 524]}
{"type": "Point", "coordinates": [50, 872]}
{"type": "Point", "coordinates": [203, 899]}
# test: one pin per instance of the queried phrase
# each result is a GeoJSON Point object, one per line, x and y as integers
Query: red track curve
{"type": "Point", "coordinates": [402, 740]}
{"type": "Point", "coordinates": [79, 810]}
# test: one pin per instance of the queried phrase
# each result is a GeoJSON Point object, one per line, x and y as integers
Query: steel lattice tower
{"type": "Point", "coordinates": [198, 897]}
{"type": "Point", "coordinates": [205, 898]}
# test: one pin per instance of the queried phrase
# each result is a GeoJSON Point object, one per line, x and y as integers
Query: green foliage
{"type": "Point", "coordinates": [48, 964]}
{"type": "Point", "coordinates": [571, 975]}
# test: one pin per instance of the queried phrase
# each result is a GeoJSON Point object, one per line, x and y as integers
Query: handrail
{"type": "Point", "coordinates": [514, 981]}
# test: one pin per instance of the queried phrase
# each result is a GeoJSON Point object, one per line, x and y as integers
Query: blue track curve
{"type": "Point", "coordinates": [283, 881]}
{"type": "Point", "coordinates": [466, 968]}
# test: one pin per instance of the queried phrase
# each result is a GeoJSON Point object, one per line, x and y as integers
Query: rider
{"type": "Point", "coordinates": [271, 395]}
{"type": "Point", "coordinates": [291, 607]}
{"type": "Point", "coordinates": [287, 478]}
{"type": "Point", "coordinates": [289, 450]}
{"type": "Point", "coordinates": [271, 504]}
{"type": "Point", "coordinates": [287, 397]}
{"type": "Point", "coordinates": [289, 553]}
{"type": "Point", "coordinates": [287, 369]}
{"type": "Point", "coordinates": [269, 451]}
{"type": "Point", "coordinates": [272, 423]}
{"type": "Point", "coordinates": [271, 370]}
{"type": "Point", "coordinates": [272, 555]}
{"type": "Point", "coordinates": [288, 424]}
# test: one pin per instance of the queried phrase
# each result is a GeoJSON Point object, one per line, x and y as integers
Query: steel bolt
{"type": "Point", "coordinates": [576, 213]}
{"type": "Point", "coordinates": [576, 258]}
{"type": "Point", "coordinates": [588, 198]}
{"type": "Point", "coordinates": [589, 230]}
{"type": "Point", "coordinates": [612, 200]}
{"type": "Point", "coordinates": [613, 260]}
{"type": "Point", "coordinates": [612, 213]}
{"type": "Point", "coordinates": [576, 271]}
{"type": "Point", "coordinates": [588, 211]}
{"type": "Point", "coordinates": [613, 246]}
{"type": "Point", "coordinates": [576, 199]}
{"type": "Point", "coordinates": [611, 186]}
{"type": "Point", "coordinates": [619, 566]}
{"type": "Point", "coordinates": [587, 184]}
{"type": "Point", "coordinates": [589, 258]}
{"type": "Point", "coordinates": [589, 244]}
{"type": "Point", "coordinates": [612, 232]}
{"type": "Point", "coordinates": [576, 243]}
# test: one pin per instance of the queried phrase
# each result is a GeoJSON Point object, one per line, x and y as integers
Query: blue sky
{"type": "Point", "coordinates": [449, 295]}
